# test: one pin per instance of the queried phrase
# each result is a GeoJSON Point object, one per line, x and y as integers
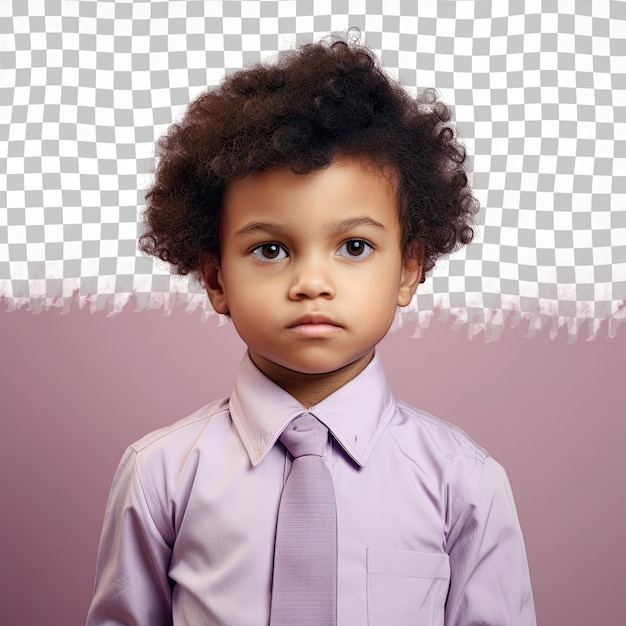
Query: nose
{"type": "Point", "coordinates": [312, 278]}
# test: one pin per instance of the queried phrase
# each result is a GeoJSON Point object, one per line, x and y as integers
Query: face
{"type": "Point", "coordinates": [311, 268]}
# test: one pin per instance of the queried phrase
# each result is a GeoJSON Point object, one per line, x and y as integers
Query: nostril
{"type": "Point", "coordinates": [312, 284]}
{"type": "Point", "coordinates": [311, 293]}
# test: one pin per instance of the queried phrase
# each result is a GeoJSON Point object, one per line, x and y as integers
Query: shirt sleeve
{"type": "Point", "coordinates": [132, 586]}
{"type": "Point", "coordinates": [489, 576]}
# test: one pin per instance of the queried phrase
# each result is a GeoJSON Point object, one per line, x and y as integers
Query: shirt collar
{"type": "Point", "coordinates": [356, 414]}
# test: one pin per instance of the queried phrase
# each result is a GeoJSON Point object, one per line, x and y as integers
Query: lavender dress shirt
{"type": "Point", "coordinates": [427, 528]}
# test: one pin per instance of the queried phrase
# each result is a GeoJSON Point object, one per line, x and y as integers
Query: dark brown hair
{"type": "Point", "coordinates": [318, 101]}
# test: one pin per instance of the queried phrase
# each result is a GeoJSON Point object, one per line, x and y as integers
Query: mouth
{"type": "Point", "coordinates": [314, 325]}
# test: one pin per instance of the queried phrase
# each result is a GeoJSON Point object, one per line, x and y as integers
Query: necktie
{"type": "Point", "coordinates": [304, 591]}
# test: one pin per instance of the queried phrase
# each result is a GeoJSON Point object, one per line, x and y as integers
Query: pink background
{"type": "Point", "coordinates": [77, 388]}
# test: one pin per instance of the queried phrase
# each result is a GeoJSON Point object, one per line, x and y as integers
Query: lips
{"type": "Point", "coordinates": [313, 319]}
{"type": "Point", "coordinates": [314, 326]}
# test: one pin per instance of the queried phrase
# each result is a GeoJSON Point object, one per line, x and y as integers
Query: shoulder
{"type": "Point", "coordinates": [442, 437]}
{"type": "Point", "coordinates": [455, 461]}
{"type": "Point", "coordinates": [160, 469]}
{"type": "Point", "coordinates": [186, 430]}
{"type": "Point", "coordinates": [176, 448]}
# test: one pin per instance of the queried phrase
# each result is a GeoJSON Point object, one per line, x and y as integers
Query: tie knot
{"type": "Point", "coordinates": [305, 435]}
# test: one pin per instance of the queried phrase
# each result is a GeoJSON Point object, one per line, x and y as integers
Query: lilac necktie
{"type": "Point", "coordinates": [304, 591]}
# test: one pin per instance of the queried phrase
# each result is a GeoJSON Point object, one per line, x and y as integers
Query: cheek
{"type": "Point", "coordinates": [252, 308]}
{"type": "Point", "coordinates": [386, 283]}
{"type": "Point", "coordinates": [377, 307]}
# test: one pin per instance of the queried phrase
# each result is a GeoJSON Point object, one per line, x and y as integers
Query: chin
{"type": "Point", "coordinates": [308, 366]}
{"type": "Point", "coordinates": [312, 370]}
{"type": "Point", "coordinates": [320, 368]}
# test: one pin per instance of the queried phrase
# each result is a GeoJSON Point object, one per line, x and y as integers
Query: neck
{"type": "Point", "coordinates": [310, 389]}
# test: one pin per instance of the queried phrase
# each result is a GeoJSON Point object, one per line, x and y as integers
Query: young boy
{"type": "Point", "coordinates": [310, 196]}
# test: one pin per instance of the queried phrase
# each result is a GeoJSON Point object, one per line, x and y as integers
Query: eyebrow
{"type": "Point", "coordinates": [334, 228]}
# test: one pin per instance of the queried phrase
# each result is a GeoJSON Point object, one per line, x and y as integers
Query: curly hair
{"type": "Point", "coordinates": [318, 101]}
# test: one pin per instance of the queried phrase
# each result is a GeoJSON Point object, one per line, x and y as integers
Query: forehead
{"type": "Point", "coordinates": [347, 188]}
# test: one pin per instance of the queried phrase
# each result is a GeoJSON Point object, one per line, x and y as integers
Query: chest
{"type": "Point", "coordinates": [391, 520]}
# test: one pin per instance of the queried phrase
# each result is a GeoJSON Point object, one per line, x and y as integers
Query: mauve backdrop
{"type": "Point", "coordinates": [77, 388]}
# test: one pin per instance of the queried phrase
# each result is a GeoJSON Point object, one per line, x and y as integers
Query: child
{"type": "Point", "coordinates": [310, 196]}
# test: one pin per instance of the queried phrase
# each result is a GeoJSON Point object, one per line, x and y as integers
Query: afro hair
{"type": "Point", "coordinates": [318, 101]}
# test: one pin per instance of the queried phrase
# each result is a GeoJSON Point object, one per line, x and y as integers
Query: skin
{"type": "Point", "coordinates": [311, 270]}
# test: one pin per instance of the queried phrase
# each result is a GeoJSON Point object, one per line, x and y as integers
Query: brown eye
{"type": "Point", "coordinates": [356, 248]}
{"type": "Point", "coordinates": [269, 252]}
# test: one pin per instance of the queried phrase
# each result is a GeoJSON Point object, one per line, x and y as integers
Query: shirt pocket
{"type": "Point", "coordinates": [406, 588]}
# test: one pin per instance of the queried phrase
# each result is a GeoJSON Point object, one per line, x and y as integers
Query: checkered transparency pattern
{"type": "Point", "coordinates": [539, 94]}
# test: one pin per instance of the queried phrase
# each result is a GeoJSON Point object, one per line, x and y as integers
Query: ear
{"type": "Point", "coordinates": [412, 266]}
{"type": "Point", "coordinates": [214, 283]}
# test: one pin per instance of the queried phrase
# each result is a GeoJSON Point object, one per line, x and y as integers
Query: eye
{"type": "Point", "coordinates": [269, 252]}
{"type": "Point", "coordinates": [355, 249]}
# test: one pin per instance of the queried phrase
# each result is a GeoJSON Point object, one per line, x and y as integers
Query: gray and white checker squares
{"type": "Point", "coordinates": [539, 93]}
